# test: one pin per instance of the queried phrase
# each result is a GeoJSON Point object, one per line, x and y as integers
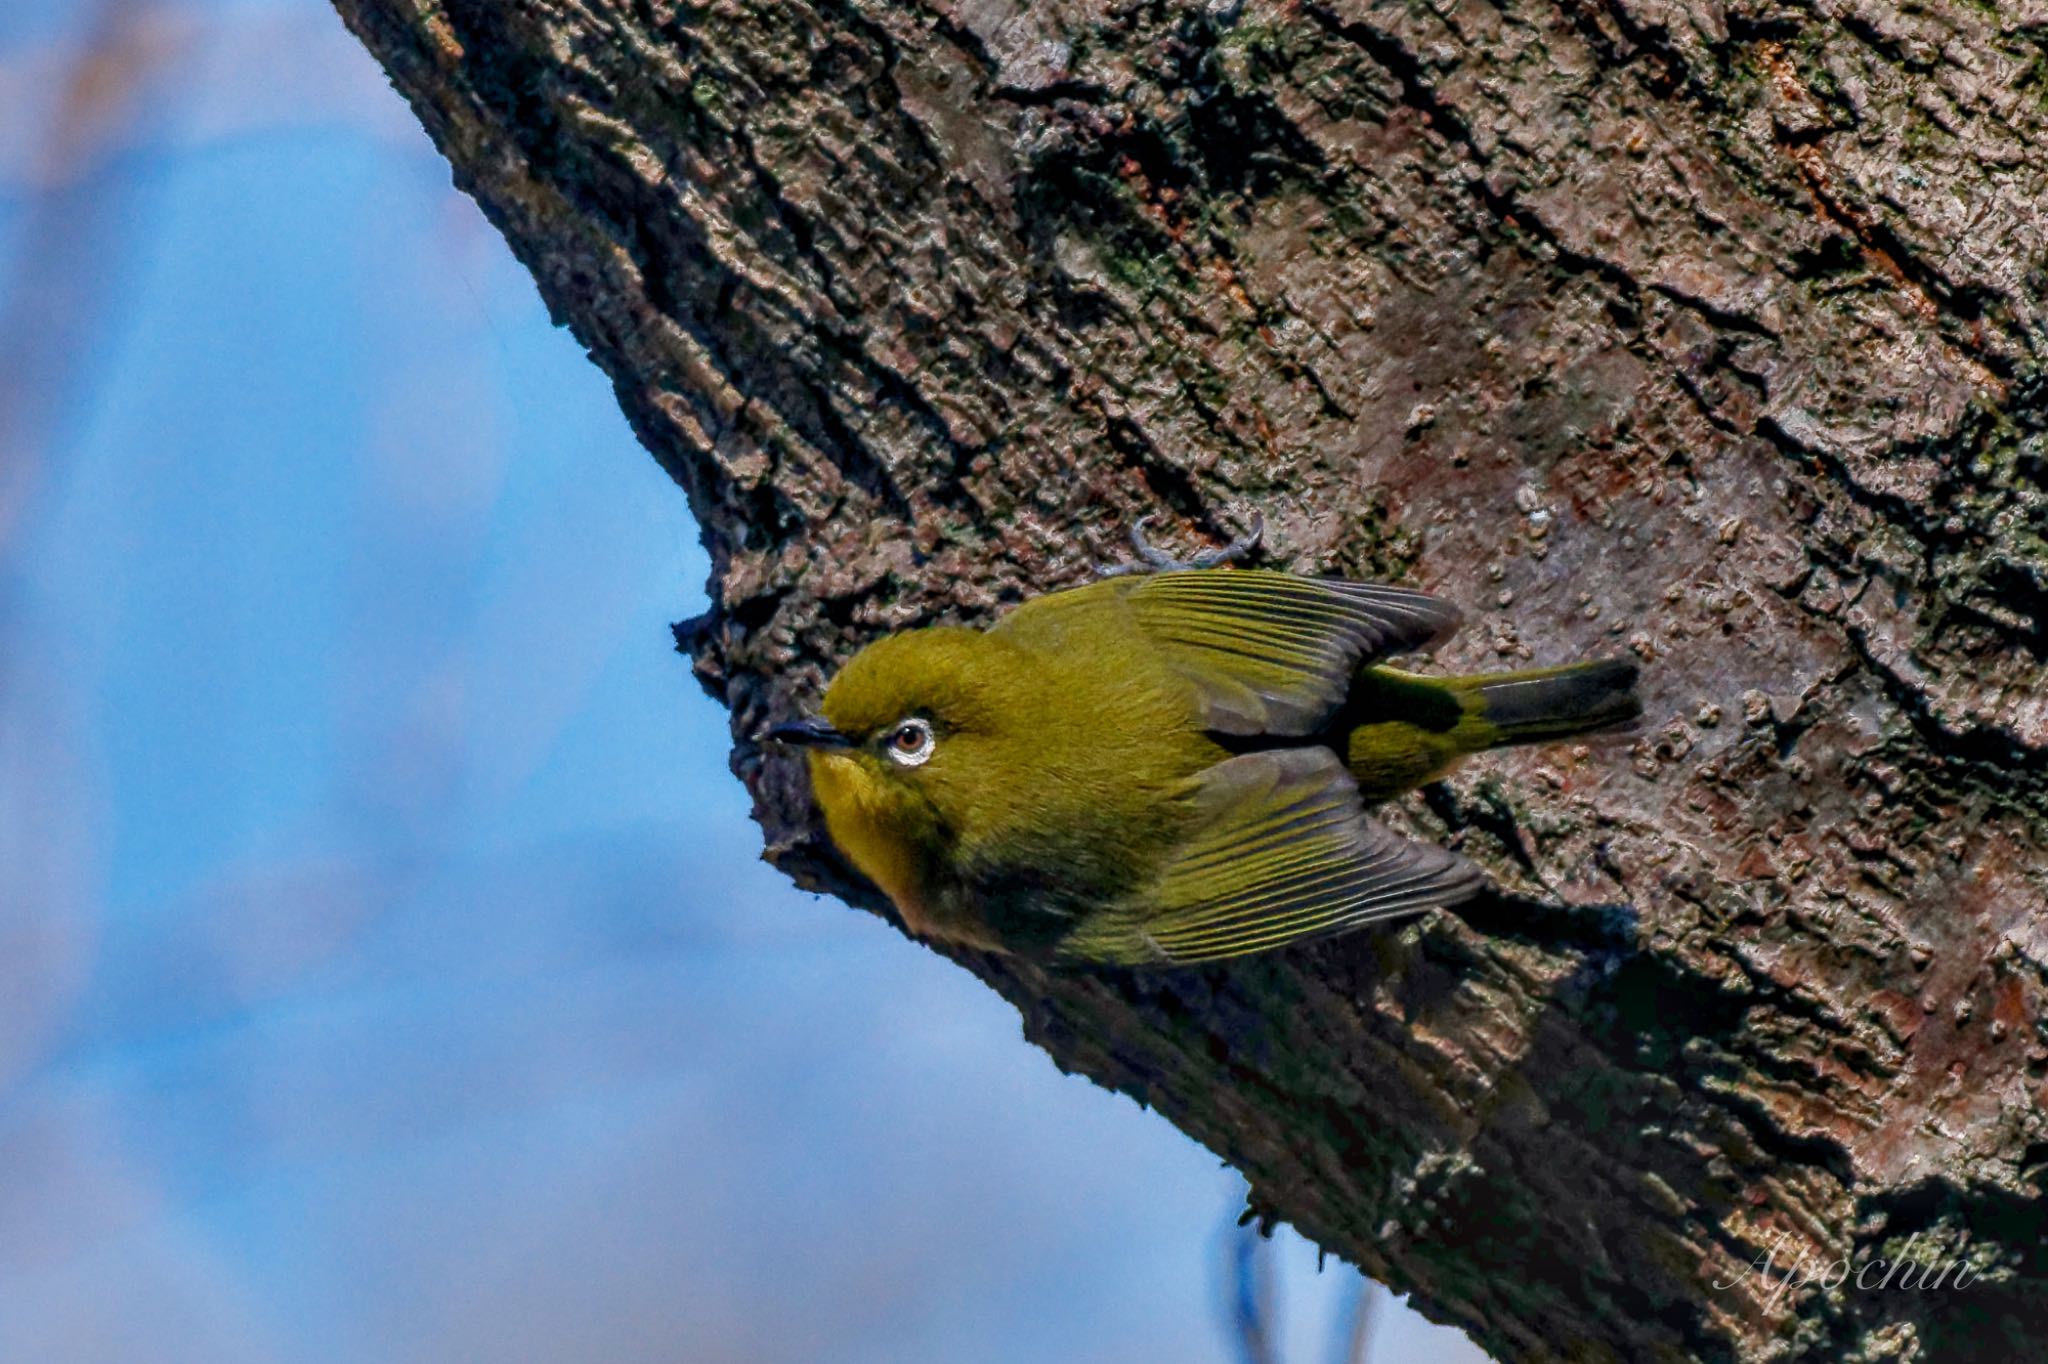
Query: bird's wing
{"type": "Point", "coordinates": [1281, 850]}
{"type": "Point", "coordinates": [1273, 653]}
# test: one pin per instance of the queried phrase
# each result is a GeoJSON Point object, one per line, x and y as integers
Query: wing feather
{"type": "Point", "coordinates": [1281, 850]}
{"type": "Point", "coordinates": [1273, 653]}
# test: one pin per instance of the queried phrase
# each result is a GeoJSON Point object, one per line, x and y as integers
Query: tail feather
{"type": "Point", "coordinates": [1402, 730]}
{"type": "Point", "coordinates": [1556, 703]}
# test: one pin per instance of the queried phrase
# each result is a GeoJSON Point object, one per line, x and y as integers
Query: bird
{"type": "Point", "coordinates": [1168, 767]}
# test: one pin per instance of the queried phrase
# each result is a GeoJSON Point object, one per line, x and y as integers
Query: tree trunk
{"type": "Point", "coordinates": [1710, 332]}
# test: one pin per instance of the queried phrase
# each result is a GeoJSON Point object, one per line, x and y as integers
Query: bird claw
{"type": "Point", "coordinates": [1152, 559]}
{"type": "Point", "coordinates": [1243, 547]}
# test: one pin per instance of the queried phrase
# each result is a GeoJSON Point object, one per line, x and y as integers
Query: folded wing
{"type": "Point", "coordinates": [1272, 653]}
{"type": "Point", "coordinates": [1280, 850]}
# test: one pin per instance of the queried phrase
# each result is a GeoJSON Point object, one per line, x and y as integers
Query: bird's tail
{"type": "Point", "coordinates": [1552, 703]}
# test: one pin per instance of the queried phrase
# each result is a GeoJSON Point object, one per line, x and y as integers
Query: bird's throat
{"type": "Point", "coordinates": [871, 829]}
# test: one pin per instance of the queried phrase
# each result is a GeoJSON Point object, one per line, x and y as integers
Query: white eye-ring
{"type": "Point", "coordinates": [911, 742]}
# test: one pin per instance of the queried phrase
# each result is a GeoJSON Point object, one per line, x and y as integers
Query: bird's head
{"type": "Point", "coordinates": [909, 748]}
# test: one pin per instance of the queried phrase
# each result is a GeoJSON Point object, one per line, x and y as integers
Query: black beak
{"type": "Point", "coordinates": [807, 734]}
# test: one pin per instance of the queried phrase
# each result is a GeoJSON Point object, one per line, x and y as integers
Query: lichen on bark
{"type": "Point", "coordinates": [1708, 332]}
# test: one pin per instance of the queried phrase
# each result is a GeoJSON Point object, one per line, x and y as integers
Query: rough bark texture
{"type": "Point", "coordinates": [1708, 331]}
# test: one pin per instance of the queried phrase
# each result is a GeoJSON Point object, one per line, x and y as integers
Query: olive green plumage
{"type": "Point", "coordinates": [1168, 768]}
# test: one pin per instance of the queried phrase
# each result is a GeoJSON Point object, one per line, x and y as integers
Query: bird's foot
{"type": "Point", "coordinates": [1152, 559]}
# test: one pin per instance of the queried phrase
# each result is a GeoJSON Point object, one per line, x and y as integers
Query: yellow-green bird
{"type": "Point", "coordinates": [1168, 768]}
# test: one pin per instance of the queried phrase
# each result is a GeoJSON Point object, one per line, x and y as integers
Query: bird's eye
{"type": "Point", "coordinates": [911, 742]}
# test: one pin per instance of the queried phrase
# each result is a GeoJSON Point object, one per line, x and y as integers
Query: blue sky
{"type": "Point", "coordinates": [387, 970]}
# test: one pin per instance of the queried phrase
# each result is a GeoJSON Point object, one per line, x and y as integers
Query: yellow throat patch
{"type": "Point", "coordinates": [857, 815]}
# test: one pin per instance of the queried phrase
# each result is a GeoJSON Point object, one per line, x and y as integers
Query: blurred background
{"type": "Point", "coordinates": [386, 968]}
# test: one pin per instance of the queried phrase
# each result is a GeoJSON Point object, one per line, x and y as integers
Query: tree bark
{"type": "Point", "coordinates": [1711, 332]}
